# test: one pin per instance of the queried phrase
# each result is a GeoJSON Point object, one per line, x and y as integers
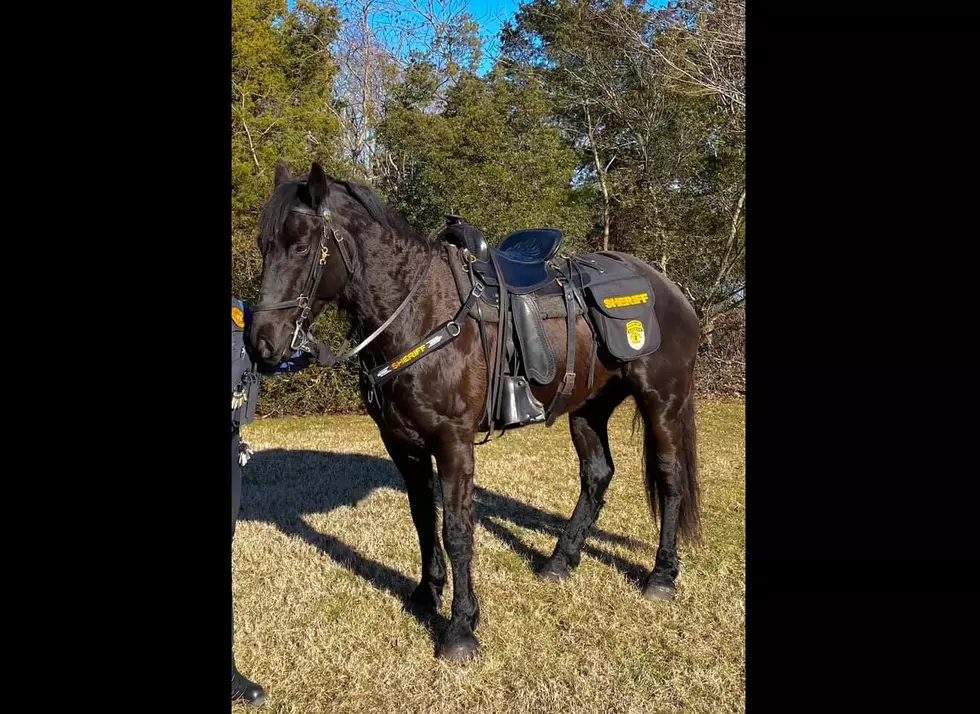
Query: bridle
{"type": "Point", "coordinates": [302, 339]}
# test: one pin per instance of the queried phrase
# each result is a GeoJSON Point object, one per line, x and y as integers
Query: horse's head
{"type": "Point", "coordinates": [307, 256]}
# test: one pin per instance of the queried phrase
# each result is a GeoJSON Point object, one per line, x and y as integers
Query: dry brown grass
{"type": "Point", "coordinates": [326, 549]}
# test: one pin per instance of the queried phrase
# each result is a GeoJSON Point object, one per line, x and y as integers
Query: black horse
{"type": "Point", "coordinates": [375, 266]}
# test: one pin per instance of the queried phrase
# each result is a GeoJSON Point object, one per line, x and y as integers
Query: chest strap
{"type": "Point", "coordinates": [433, 342]}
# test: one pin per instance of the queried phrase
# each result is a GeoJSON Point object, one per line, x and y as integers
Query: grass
{"type": "Point", "coordinates": [325, 553]}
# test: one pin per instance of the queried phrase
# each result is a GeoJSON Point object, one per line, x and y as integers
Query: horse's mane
{"type": "Point", "coordinates": [277, 208]}
{"type": "Point", "coordinates": [379, 209]}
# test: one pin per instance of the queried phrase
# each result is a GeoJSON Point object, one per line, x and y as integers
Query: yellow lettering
{"type": "Point", "coordinates": [402, 361]}
{"type": "Point", "coordinates": [625, 300]}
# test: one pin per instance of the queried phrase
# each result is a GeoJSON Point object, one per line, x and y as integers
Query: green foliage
{"type": "Point", "coordinates": [281, 83]}
{"type": "Point", "coordinates": [491, 155]}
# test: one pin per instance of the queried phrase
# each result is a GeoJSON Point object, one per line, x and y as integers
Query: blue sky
{"type": "Point", "coordinates": [490, 15]}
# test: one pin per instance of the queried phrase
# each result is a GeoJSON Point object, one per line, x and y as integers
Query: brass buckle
{"type": "Point", "coordinates": [568, 384]}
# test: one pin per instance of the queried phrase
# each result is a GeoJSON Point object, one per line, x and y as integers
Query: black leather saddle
{"type": "Point", "coordinates": [523, 258]}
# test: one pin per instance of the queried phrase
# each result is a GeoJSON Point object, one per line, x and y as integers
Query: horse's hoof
{"type": "Point", "coordinates": [659, 592]}
{"type": "Point", "coordinates": [462, 649]}
{"type": "Point", "coordinates": [554, 572]}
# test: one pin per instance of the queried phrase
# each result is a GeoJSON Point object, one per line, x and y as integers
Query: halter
{"type": "Point", "coordinates": [302, 339]}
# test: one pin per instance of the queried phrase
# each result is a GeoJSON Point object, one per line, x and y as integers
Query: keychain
{"type": "Point", "coordinates": [244, 453]}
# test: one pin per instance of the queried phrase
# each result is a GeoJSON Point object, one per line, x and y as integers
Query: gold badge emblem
{"type": "Point", "coordinates": [238, 317]}
{"type": "Point", "coordinates": [634, 333]}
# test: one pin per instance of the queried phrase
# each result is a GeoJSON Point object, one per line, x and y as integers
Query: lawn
{"type": "Point", "coordinates": [325, 554]}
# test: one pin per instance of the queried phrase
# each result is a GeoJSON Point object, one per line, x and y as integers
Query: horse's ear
{"type": "Point", "coordinates": [316, 183]}
{"type": "Point", "coordinates": [282, 173]}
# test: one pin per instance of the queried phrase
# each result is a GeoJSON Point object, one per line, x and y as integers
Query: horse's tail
{"type": "Point", "coordinates": [685, 471]}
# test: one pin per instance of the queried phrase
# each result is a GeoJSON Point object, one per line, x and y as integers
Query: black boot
{"type": "Point", "coordinates": [243, 690]}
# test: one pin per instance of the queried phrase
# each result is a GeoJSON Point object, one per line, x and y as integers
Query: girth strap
{"type": "Point", "coordinates": [485, 341]}
{"type": "Point", "coordinates": [564, 393]}
{"type": "Point", "coordinates": [496, 381]}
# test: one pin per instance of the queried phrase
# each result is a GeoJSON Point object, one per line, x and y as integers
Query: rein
{"type": "Point", "coordinates": [326, 359]}
{"type": "Point", "coordinates": [302, 339]}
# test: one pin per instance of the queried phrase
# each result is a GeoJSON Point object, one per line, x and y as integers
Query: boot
{"type": "Point", "coordinates": [243, 690]}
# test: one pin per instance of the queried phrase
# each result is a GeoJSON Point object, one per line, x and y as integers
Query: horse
{"type": "Point", "coordinates": [328, 240]}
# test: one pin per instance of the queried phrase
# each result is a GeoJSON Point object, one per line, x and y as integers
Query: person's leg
{"type": "Point", "coordinates": [236, 504]}
{"type": "Point", "coordinates": [241, 688]}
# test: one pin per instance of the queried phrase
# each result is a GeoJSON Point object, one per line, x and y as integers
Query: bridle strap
{"type": "Point", "coordinates": [316, 270]}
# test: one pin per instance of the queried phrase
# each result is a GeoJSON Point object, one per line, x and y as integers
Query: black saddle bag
{"type": "Point", "coordinates": [621, 309]}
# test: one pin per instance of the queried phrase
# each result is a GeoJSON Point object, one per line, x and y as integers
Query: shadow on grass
{"type": "Point", "coordinates": [282, 486]}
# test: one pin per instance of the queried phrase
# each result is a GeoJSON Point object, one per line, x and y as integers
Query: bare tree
{"type": "Point", "coordinates": [704, 48]}
{"type": "Point", "coordinates": [378, 41]}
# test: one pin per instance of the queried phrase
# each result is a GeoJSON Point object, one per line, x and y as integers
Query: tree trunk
{"type": "Point", "coordinates": [601, 173]}
{"type": "Point", "coordinates": [365, 94]}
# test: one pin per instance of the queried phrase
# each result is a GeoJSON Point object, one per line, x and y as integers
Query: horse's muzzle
{"type": "Point", "coordinates": [270, 338]}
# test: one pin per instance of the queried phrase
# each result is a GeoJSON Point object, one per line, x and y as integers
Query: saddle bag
{"type": "Point", "coordinates": [621, 310]}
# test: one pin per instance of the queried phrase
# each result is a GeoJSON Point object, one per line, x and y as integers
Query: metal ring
{"type": "Point", "coordinates": [452, 324]}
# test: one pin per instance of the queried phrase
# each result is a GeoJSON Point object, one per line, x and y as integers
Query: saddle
{"type": "Point", "coordinates": [522, 258]}
{"type": "Point", "coordinates": [521, 284]}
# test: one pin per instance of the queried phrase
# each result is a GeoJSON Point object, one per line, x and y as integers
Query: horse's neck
{"type": "Point", "coordinates": [388, 268]}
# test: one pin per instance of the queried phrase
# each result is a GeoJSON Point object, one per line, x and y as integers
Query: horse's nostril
{"type": "Point", "coordinates": [265, 349]}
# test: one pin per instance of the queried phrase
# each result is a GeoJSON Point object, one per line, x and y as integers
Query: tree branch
{"type": "Point", "coordinates": [252, 146]}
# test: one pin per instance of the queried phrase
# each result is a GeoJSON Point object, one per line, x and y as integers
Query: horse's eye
{"type": "Point", "coordinates": [302, 249]}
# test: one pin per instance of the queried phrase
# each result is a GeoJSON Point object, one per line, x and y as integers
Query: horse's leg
{"type": "Point", "coordinates": [454, 459]}
{"type": "Point", "coordinates": [670, 466]}
{"type": "Point", "coordinates": [415, 465]}
{"type": "Point", "coordinates": [589, 428]}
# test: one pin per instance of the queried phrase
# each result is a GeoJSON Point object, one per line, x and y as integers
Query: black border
{"type": "Point", "coordinates": [168, 275]}
{"type": "Point", "coordinates": [857, 555]}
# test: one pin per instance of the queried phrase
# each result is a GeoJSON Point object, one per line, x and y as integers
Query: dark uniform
{"type": "Point", "coordinates": [244, 394]}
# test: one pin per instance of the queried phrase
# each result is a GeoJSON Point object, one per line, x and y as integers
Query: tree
{"type": "Point", "coordinates": [383, 40]}
{"type": "Point", "coordinates": [491, 155]}
{"type": "Point", "coordinates": [665, 155]}
{"type": "Point", "coordinates": [619, 123]}
{"type": "Point", "coordinates": [281, 82]}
